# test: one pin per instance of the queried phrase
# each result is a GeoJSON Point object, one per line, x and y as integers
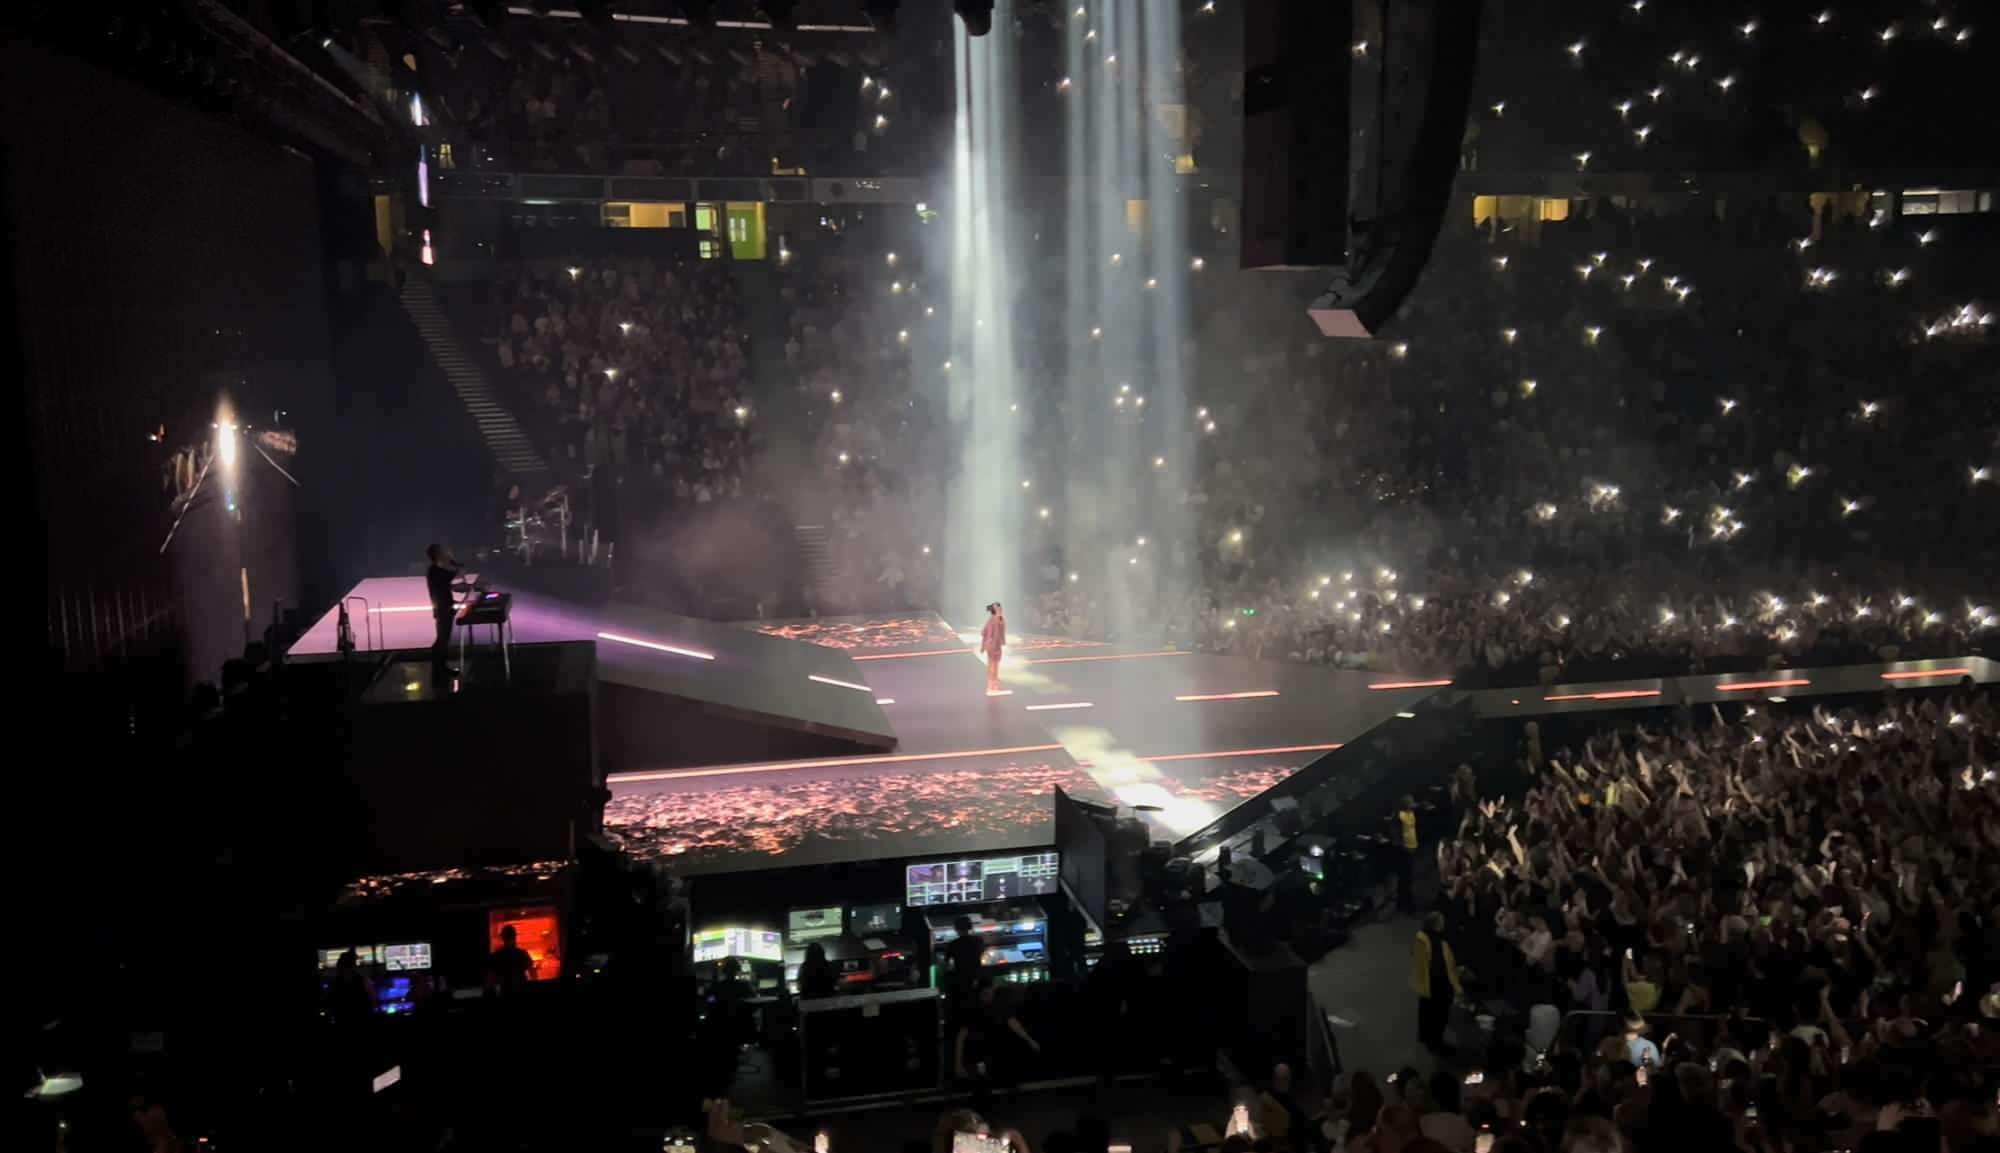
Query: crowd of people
{"type": "Point", "coordinates": [636, 366]}
{"type": "Point", "coordinates": [1652, 500]}
{"type": "Point", "coordinates": [1558, 461]}
{"type": "Point", "coordinates": [1773, 931]}
{"type": "Point", "coordinates": [563, 99]}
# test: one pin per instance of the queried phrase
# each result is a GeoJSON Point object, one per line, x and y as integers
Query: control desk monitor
{"type": "Point", "coordinates": [803, 926]}
{"type": "Point", "coordinates": [874, 920]}
{"type": "Point", "coordinates": [735, 941]}
{"type": "Point", "coordinates": [975, 880]}
{"type": "Point", "coordinates": [409, 957]}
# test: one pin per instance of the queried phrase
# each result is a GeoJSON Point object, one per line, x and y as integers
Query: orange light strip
{"type": "Point", "coordinates": [1380, 686]}
{"type": "Point", "coordinates": [1243, 696]}
{"type": "Point", "coordinates": [1925, 674]}
{"type": "Point", "coordinates": [1614, 695]}
{"type": "Point", "coordinates": [906, 656]}
{"type": "Point", "coordinates": [840, 684]}
{"type": "Point", "coordinates": [1747, 686]}
{"type": "Point", "coordinates": [1108, 657]}
{"type": "Point", "coordinates": [827, 763]}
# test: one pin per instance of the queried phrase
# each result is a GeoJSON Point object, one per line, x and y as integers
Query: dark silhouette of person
{"type": "Point", "coordinates": [509, 967]}
{"type": "Point", "coordinates": [444, 569]}
{"type": "Point", "coordinates": [350, 999]}
{"type": "Point", "coordinates": [962, 959]}
{"type": "Point", "coordinates": [816, 977]}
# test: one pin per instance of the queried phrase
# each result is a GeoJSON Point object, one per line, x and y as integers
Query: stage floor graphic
{"type": "Point", "coordinates": [1183, 736]}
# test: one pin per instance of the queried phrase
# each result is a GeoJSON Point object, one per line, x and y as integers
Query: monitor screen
{"type": "Point", "coordinates": [754, 944]}
{"type": "Point", "coordinates": [413, 957]}
{"type": "Point", "coordinates": [363, 954]}
{"type": "Point", "coordinates": [394, 995]}
{"type": "Point", "coordinates": [805, 925]}
{"type": "Point", "coordinates": [869, 920]}
{"type": "Point", "coordinates": [977, 879]}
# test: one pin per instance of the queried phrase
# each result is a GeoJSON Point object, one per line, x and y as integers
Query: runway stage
{"type": "Point", "coordinates": [1191, 735]}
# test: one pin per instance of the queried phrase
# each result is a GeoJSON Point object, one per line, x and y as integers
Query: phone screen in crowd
{"type": "Point", "coordinates": [977, 1143]}
{"type": "Point", "coordinates": [1483, 1143]}
{"type": "Point", "coordinates": [1239, 1120]}
{"type": "Point", "coordinates": [1475, 1078]}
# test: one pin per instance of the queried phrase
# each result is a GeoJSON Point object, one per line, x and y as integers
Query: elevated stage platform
{"type": "Point", "coordinates": [671, 690]}
{"type": "Point", "coordinates": [1184, 736]}
{"type": "Point", "coordinates": [739, 748]}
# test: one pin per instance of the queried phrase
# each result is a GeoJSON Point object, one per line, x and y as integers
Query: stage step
{"type": "Point", "coordinates": [504, 438]}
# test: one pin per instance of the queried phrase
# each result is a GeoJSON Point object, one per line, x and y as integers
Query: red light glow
{"type": "Point", "coordinates": [1747, 686]}
{"type": "Point", "coordinates": [1382, 686]}
{"type": "Point", "coordinates": [907, 656]}
{"type": "Point", "coordinates": [1614, 695]}
{"type": "Point", "coordinates": [536, 931]}
{"type": "Point", "coordinates": [1925, 674]}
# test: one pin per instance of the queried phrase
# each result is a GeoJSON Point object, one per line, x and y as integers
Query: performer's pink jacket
{"type": "Point", "coordinates": [993, 636]}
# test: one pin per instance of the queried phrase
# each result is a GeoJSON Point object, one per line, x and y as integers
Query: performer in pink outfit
{"type": "Point", "coordinates": [992, 639]}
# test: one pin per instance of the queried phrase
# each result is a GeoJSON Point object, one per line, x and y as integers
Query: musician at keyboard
{"type": "Point", "coordinates": [444, 569]}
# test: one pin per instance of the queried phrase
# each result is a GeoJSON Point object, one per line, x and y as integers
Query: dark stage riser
{"type": "Point", "coordinates": [496, 773]}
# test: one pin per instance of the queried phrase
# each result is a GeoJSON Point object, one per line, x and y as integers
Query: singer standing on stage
{"type": "Point", "coordinates": [992, 639]}
{"type": "Point", "coordinates": [437, 579]}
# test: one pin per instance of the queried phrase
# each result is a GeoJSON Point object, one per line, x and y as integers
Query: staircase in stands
{"type": "Point", "coordinates": [497, 427]}
{"type": "Point", "coordinates": [822, 569]}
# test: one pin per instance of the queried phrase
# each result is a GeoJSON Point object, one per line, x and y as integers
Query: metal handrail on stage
{"type": "Point", "coordinates": [370, 621]}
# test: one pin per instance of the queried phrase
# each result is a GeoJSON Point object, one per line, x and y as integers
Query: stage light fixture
{"type": "Point", "coordinates": [977, 14]}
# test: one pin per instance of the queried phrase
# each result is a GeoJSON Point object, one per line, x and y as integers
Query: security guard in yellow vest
{"type": "Point", "coordinates": [1406, 860]}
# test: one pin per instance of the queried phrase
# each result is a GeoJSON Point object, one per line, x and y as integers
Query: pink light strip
{"type": "Point", "coordinates": [402, 609]}
{"type": "Point", "coordinates": [1108, 657]}
{"type": "Point", "coordinates": [1925, 674]}
{"type": "Point", "coordinates": [1382, 686]}
{"type": "Point", "coordinates": [840, 684]}
{"type": "Point", "coordinates": [1747, 686]}
{"type": "Point", "coordinates": [885, 700]}
{"type": "Point", "coordinates": [1243, 696]}
{"type": "Point", "coordinates": [1614, 695]}
{"type": "Point", "coordinates": [826, 763]}
{"type": "Point", "coordinates": [1064, 705]}
{"type": "Point", "coordinates": [656, 646]}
